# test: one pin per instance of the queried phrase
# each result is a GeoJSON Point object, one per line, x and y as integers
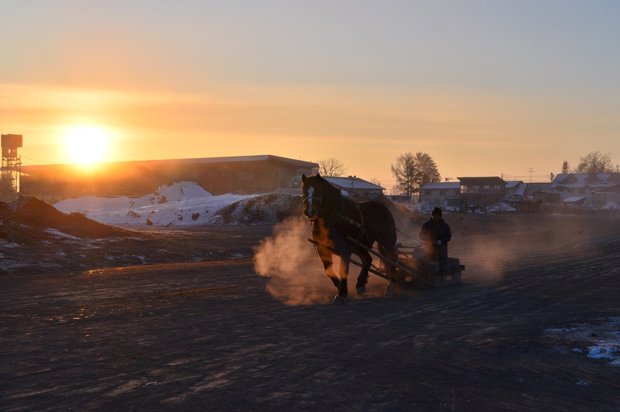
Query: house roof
{"type": "Point", "coordinates": [485, 180]}
{"type": "Point", "coordinates": [613, 188]}
{"type": "Point", "coordinates": [442, 185]}
{"type": "Point", "coordinates": [537, 187]}
{"type": "Point", "coordinates": [352, 182]}
{"type": "Point", "coordinates": [516, 187]}
{"type": "Point", "coordinates": [593, 180]}
{"type": "Point", "coordinates": [574, 199]}
{"type": "Point", "coordinates": [237, 159]}
{"type": "Point", "coordinates": [511, 184]}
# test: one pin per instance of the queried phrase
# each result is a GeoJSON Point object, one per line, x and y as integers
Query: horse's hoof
{"type": "Point", "coordinates": [360, 290]}
{"type": "Point", "coordinates": [339, 299]}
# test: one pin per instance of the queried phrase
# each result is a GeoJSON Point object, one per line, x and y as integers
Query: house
{"type": "Point", "coordinates": [481, 192]}
{"type": "Point", "coordinates": [579, 189]}
{"type": "Point", "coordinates": [515, 191]}
{"type": "Point", "coordinates": [218, 175]}
{"type": "Point", "coordinates": [537, 191]}
{"type": "Point", "coordinates": [607, 198]}
{"type": "Point", "coordinates": [356, 188]}
{"type": "Point", "coordinates": [441, 194]}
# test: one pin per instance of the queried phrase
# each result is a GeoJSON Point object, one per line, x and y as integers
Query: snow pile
{"type": "Point", "coordinates": [611, 206]}
{"type": "Point", "coordinates": [181, 204]}
{"type": "Point", "coordinates": [500, 207]}
{"type": "Point", "coordinates": [600, 341]}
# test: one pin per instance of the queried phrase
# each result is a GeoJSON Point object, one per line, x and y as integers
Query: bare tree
{"type": "Point", "coordinates": [413, 171]}
{"type": "Point", "coordinates": [595, 162]}
{"type": "Point", "coordinates": [565, 167]}
{"type": "Point", "coordinates": [404, 171]}
{"type": "Point", "coordinates": [331, 167]}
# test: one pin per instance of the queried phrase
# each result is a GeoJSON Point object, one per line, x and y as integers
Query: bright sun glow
{"type": "Point", "coordinates": [86, 145]}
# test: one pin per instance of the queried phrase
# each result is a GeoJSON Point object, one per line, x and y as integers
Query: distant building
{"type": "Point", "coordinates": [515, 191]}
{"type": "Point", "coordinates": [357, 188]}
{"type": "Point", "coordinates": [607, 198]}
{"type": "Point", "coordinates": [537, 191]}
{"type": "Point", "coordinates": [481, 192]}
{"type": "Point", "coordinates": [441, 194]}
{"type": "Point", "coordinates": [590, 190]}
{"type": "Point", "coordinates": [218, 175]}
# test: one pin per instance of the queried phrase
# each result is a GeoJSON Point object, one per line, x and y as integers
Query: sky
{"type": "Point", "coordinates": [487, 88]}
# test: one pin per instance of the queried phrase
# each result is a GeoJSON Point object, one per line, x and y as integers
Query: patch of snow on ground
{"type": "Point", "coordinates": [179, 204]}
{"type": "Point", "coordinates": [8, 245]}
{"type": "Point", "coordinates": [598, 341]}
{"type": "Point", "coordinates": [500, 207]}
{"type": "Point", "coordinates": [611, 206]}
{"type": "Point", "coordinates": [58, 233]}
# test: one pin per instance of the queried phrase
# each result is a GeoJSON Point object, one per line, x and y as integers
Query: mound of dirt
{"type": "Point", "coordinates": [29, 219]}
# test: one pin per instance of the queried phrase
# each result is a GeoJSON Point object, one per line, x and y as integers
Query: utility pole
{"type": "Point", "coordinates": [531, 171]}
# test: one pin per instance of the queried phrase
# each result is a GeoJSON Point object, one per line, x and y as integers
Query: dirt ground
{"type": "Point", "coordinates": [190, 325]}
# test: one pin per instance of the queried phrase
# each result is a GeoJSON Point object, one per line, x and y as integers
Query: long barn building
{"type": "Point", "coordinates": [218, 175]}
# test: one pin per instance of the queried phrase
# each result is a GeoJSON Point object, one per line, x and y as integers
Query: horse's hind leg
{"type": "Point", "coordinates": [363, 276]}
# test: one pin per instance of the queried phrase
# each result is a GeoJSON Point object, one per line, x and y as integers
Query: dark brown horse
{"type": "Point", "coordinates": [336, 220]}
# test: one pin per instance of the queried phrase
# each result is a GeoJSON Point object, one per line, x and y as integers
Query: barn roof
{"type": "Point", "coordinates": [203, 160]}
{"type": "Point", "coordinates": [237, 159]}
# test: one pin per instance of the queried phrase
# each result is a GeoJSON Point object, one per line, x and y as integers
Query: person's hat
{"type": "Point", "coordinates": [437, 211]}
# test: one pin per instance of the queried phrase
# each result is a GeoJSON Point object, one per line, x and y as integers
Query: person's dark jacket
{"type": "Point", "coordinates": [434, 230]}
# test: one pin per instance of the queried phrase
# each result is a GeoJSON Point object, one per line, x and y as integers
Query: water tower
{"type": "Point", "coordinates": [11, 164]}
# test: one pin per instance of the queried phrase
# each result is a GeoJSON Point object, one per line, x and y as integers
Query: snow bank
{"type": "Point", "coordinates": [597, 341]}
{"type": "Point", "coordinates": [611, 206]}
{"type": "Point", "coordinates": [180, 204]}
{"type": "Point", "coordinates": [500, 207]}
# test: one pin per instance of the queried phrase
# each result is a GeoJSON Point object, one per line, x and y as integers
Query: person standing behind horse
{"type": "Point", "coordinates": [435, 235]}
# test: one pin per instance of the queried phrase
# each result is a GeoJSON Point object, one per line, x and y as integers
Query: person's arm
{"type": "Point", "coordinates": [447, 235]}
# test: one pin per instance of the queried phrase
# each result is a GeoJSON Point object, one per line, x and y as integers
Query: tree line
{"type": "Point", "coordinates": [593, 162]}
{"type": "Point", "coordinates": [412, 171]}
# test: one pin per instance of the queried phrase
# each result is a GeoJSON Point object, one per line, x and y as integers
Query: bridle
{"type": "Point", "coordinates": [312, 202]}
{"type": "Point", "coordinates": [315, 209]}
{"type": "Point", "coordinates": [313, 198]}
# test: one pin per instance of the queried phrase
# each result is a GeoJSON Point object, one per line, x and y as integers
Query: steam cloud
{"type": "Point", "coordinates": [295, 271]}
{"type": "Point", "coordinates": [296, 274]}
{"type": "Point", "coordinates": [290, 262]}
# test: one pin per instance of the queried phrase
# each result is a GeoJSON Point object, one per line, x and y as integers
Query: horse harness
{"type": "Point", "coordinates": [336, 215]}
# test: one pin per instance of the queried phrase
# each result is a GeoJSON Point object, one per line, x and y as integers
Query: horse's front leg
{"type": "Point", "coordinates": [344, 274]}
{"type": "Point", "coordinates": [328, 264]}
{"type": "Point", "coordinates": [363, 276]}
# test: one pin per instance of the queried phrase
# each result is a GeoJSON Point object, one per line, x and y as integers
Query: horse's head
{"type": "Point", "coordinates": [313, 191]}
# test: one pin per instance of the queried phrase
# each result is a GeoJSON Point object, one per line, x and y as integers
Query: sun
{"type": "Point", "coordinates": [86, 145]}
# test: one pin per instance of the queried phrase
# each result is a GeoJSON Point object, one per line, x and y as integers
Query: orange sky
{"type": "Point", "coordinates": [487, 89]}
